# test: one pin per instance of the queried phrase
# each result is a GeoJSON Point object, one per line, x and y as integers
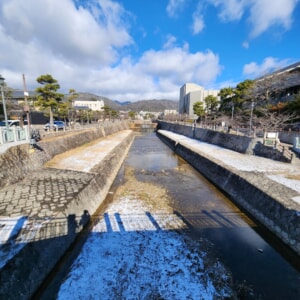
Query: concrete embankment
{"type": "Point", "coordinates": [238, 143]}
{"type": "Point", "coordinates": [275, 205]}
{"type": "Point", "coordinates": [48, 208]}
{"type": "Point", "coordinates": [16, 162]}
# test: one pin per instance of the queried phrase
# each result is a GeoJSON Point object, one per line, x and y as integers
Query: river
{"type": "Point", "coordinates": [260, 267]}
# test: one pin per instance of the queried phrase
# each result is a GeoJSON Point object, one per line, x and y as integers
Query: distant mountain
{"type": "Point", "coordinates": [122, 103]}
{"type": "Point", "coordinates": [152, 105]}
{"type": "Point", "coordinates": [142, 105]}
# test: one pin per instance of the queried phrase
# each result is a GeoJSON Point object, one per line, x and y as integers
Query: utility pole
{"type": "Point", "coordinates": [26, 106]}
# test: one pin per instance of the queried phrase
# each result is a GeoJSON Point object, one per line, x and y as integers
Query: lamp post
{"type": "Point", "coordinates": [251, 115]}
{"type": "Point", "coordinates": [3, 101]}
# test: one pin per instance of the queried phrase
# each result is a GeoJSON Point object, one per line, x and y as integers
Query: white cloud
{"type": "Point", "coordinates": [159, 74]}
{"type": "Point", "coordinates": [245, 45]}
{"type": "Point", "coordinates": [174, 7]}
{"type": "Point", "coordinates": [198, 24]}
{"type": "Point", "coordinates": [264, 14]}
{"type": "Point", "coordinates": [269, 64]}
{"type": "Point", "coordinates": [230, 10]}
{"type": "Point", "coordinates": [63, 30]}
{"type": "Point", "coordinates": [83, 48]}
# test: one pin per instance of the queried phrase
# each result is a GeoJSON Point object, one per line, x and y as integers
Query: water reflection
{"type": "Point", "coordinates": [238, 241]}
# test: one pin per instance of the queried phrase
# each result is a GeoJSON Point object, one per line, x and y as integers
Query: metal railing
{"type": "Point", "coordinates": [14, 134]}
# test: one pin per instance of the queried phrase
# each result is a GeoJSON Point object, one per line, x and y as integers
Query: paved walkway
{"type": "Point", "coordinates": [278, 178]}
{"type": "Point", "coordinates": [27, 207]}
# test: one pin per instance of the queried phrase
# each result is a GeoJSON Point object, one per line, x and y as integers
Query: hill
{"type": "Point", "coordinates": [152, 105]}
{"type": "Point", "coordinates": [142, 105]}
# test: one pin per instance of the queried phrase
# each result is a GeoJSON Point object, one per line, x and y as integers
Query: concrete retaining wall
{"type": "Point", "coordinates": [18, 161]}
{"type": "Point", "coordinates": [241, 144]}
{"type": "Point", "coordinates": [22, 275]}
{"type": "Point", "coordinates": [280, 219]}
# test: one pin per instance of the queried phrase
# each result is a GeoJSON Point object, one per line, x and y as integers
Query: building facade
{"type": "Point", "coordinates": [190, 93]}
{"type": "Point", "coordinates": [283, 84]}
{"type": "Point", "coordinates": [96, 105]}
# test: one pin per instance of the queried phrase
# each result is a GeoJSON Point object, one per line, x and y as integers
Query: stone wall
{"type": "Point", "coordinates": [281, 219]}
{"type": "Point", "coordinates": [238, 143]}
{"type": "Point", "coordinates": [18, 161]}
{"type": "Point", "coordinates": [242, 144]}
{"type": "Point", "coordinates": [22, 276]}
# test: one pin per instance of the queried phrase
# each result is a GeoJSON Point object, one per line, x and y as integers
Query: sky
{"type": "Point", "coordinates": [129, 50]}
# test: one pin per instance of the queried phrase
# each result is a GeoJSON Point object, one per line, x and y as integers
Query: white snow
{"type": "Point", "coordinates": [131, 254]}
{"type": "Point", "coordinates": [243, 162]}
{"type": "Point", "coordinates": [84, 159]}
{"type": "Point", "coordinates": [9, 230]}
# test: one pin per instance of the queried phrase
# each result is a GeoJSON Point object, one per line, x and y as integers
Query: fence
{"type": "Point", "coordinates": [13, 134]}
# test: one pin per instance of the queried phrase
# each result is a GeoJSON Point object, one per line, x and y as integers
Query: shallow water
{"type": "Point", "coordinates": [261, 266]}
{"type": "Point", "coordinates": [257, 260]}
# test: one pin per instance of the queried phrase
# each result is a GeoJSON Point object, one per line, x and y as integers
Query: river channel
{"type": "Point", "coordinates": [260, 266]}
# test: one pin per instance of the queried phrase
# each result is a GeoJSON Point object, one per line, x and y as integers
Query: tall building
{"type": "Point", "coordinates": [190, 93]}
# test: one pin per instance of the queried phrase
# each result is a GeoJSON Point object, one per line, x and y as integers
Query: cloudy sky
{"type": "Point", "coordinates": [145, 49]}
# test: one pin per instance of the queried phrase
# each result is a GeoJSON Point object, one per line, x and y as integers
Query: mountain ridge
{"type": "Point", "coordinates": [152, 105]}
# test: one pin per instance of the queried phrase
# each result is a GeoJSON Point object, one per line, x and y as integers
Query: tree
{"type": "Point", "coordinates": [294, 106]}
{"type": "Point", "coordinates": [269, 88]}
{"type": "Point", "coordinates": [70, 105]}
{"type": "Point", "coordinates": [47, 97]}
{"type": "Point", "coordinates": [131, 114]}
{"type": "Point", "coordinates": [211, 103]}
{"type": "Point", "coordinates": [243, 94]}
{"type": "Point", "coordinates": [270, 119]}
{"type": "Point", "coordinates": [199, 109]}
{"type": "Point", "coordinates": [227, 99]}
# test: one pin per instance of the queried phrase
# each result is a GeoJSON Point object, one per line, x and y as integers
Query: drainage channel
{"type": "Point", "coordinates": [261, 267]}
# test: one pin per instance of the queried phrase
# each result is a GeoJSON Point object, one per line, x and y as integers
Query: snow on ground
{"type": "Point", "coordinates": [243, 162]}
{"type": "Point", "coordinates": [9, 229]}
{"type": "Point", "coordinates": [79, 159]}
{"type": "Point", "coordinates": [138, 251]}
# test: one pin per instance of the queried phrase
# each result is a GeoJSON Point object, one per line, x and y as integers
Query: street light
{"type": "Point", "coordinates": [251, 115]}
{"type": "Point", "coordinates": [3, 101]}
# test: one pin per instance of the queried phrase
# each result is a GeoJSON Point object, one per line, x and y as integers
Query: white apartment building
{"type": "Point", "coordinates": [89, 104]}
{"type": "Point", "coordinates": [190, 93]}
{"type": "Point", "coordinates": [170, 112]}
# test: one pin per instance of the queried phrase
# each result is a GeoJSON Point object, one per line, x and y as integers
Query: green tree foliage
{"type": "Point", "coordinates": [211, 103]}
{"type": "Point", "coordinates": [199, 109]}
{"type": "Point", "coordinates": [109, 112]}
{"type": "Point", "coordinates": [226, 98]}
{"type": "Point", "coordinates": [131, 114]}
{"type": "Point", "coordinates": [48, 98]}
{"type": "Point", "coordinates": [294, 107]}
{"type": "Point", "coordinates": [243, 94]}
{"type": "Point", "coordinates": [69, 109]}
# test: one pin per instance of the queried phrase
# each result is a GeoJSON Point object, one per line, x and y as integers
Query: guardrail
{"type": "Point", "coordinates": [14, 134]}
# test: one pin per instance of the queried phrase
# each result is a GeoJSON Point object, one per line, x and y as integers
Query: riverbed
{"type": "Point", "coordinates": [166, 233]}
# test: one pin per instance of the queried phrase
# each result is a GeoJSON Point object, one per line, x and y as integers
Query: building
{"type": "Point", "coordinates": [283, 84]}
{"type": "Point", "coordinates": [96, 105]}
{"type": "Point", "coordinates": [170, 112]}
{"type": "Point", "coordinates": [190, 93]}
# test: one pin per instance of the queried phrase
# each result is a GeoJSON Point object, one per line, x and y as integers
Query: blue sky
{"type": "Point", "coordinates": [145, 49]}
